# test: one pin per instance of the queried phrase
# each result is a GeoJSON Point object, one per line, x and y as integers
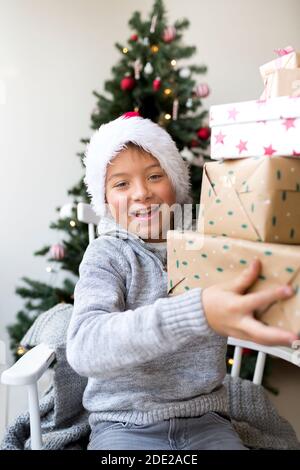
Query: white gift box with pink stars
{"type": "Point", "coordinates": [256, 128]}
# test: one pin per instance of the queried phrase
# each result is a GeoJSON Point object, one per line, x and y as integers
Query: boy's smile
{"type": "Point", "coordinates": [140, 194]}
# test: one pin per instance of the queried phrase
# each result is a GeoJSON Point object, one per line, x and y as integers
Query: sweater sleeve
{"type": "Point", "coordinates": [103, 338]}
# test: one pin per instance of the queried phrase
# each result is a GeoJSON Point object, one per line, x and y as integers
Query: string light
{"type": "Point", "coordinates": [125, 50]}
{"type": "Point", "coordinates": [230, 361]}
{"type": "Point", "coordinates": [173, 62]}
{"type": "Point", "coordinates": [21, 350]}
{"type": "Point", "coordinates": [49, 269]}
{"type": "Point", "coordinates": [168, 116]}
{"type": "Point", "coordinates": [167, 91]}
{"type": "Point", "coordinates": [72, 223]}
{"type": "Point", "coordinates": [154, 49]}
{"type": "Point", "coordinates": [136, 109]}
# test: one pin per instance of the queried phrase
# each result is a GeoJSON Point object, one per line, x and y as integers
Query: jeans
{"type": "Point", "coordinates": [209, 431]}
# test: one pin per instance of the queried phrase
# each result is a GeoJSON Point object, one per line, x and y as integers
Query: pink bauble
{"type": "Point", "coordinates": [169, 34]}
{"type": "Point", "coordinates": [127, 83]}
{"type": "Point", "coordinates": [57, 251]}
{"type": "Point", "coordinates": [202, 90]}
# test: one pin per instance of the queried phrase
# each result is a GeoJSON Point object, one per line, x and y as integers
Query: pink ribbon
{"type": "Point", "coordinates": [286, 50]}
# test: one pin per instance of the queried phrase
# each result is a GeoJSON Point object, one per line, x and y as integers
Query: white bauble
{"type": "Point", "coordinates": [187, 154]}
{"type": "Point", "coordinates": [185, 72]}
{"type": "Point", "coordinates": [148, 69]}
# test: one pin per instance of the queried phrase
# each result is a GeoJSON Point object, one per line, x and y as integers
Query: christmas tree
{"type": "Point", "coordinates": [149, 79]}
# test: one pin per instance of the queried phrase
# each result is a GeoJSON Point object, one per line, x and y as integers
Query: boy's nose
{"type": "Point", "coordinates": [141, 192]}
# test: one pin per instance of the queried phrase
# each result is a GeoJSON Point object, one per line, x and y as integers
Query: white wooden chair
{"type": "Point", "coordinates": [3, 390]}
{"type": "Point", "coordinates": [30, 367]}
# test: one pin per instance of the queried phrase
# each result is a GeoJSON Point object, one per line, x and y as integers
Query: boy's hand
{"type": "Point", "coordinates": [230, 312]}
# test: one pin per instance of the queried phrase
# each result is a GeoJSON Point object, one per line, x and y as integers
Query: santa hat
{"type": "Point", "coordinates": [111, 138]}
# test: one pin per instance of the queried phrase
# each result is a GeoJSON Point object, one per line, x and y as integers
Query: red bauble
{"type": "Point", "coordinates": [156, 84]}
{"type": "Point", "coordinates": [247, 352]}
{"type": "Point", "coordinates": [134, 37]}
{"type": "Point", "coordinates": [194, 143]}
{"type": "Point", "coordinates": [203, 133]}
{"type": "Point", "coordinates": [127, 83]}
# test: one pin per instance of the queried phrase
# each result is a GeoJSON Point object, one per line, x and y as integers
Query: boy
{"type": "Point", "coordinates": [155, 363]}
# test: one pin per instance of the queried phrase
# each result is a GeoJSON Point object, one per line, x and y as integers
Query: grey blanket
{"type": "Point", "coordinates": [65, 422]}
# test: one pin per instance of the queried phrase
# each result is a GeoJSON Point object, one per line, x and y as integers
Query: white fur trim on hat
{"type": "Point", "coordinates": [111, 138]}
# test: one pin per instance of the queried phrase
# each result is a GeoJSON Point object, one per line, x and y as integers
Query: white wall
{"type": "Point", "coordinates": [53, 53]}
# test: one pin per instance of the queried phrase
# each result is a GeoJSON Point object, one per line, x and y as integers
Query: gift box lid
{"type": "Point", "coordinates": [255, 111]}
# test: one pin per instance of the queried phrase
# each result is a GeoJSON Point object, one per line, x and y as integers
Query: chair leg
{"type": "Point", "coordinates": [237, 360]}
{"type": "Point", "coordinates": [35, 420]}
{"type": "Point", "coordinates": [259, 368]}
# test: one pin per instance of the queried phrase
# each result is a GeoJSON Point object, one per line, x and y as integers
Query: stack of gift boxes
{"type": "Point", "coordinates": [250, 200]}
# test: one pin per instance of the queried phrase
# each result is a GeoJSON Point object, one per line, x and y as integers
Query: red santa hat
{"type": "Point", "coordinates": [108, 141]}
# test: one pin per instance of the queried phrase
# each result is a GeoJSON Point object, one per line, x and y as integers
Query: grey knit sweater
{"type": "Point", "coordinates": [147, 356]}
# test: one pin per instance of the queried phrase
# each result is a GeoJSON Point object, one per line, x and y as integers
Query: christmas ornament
{"type": "Point", "coordinates": [175, 109]}
{"type": "Point", "coordinates": [137, 69]}
{"type": "Point", "coordinates": [134, 37]}
{"type": "Point", "coordinates": [57, 251]}
{"type": "Point", "coordinates": [66, 211]}
{"type": "Point", "coordinates": [148, 69]}
{"type": "Point", "coordinates": [185, 72]}
{"type": "Point", "coordinates": [153, 24]}
{"type": "Point", "coordinates": [146, 41]}
{"type": "Point", "coordinates": [187, 154]}
{"type": "Point", "coordinates": [154, 48]}
{"type": "Point", "coordinates": [169, 34]}
{"type": "Point", "coordinates": [194, 143]}
{"type": "Point", "coordinates": [127, 83]}
{"type": "Point", "coordinates": [203, 133]}
{"type": "Point", "coordinates": [202, 90]}
{"type": "Point", "coordinates": [156, 84]}
{"type": "Point", "coordinates": [189, 103]}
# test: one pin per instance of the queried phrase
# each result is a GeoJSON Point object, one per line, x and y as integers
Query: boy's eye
{"type": "Point", "coordinates": [122, 184]}
{"type": "Point", "coordinates": [155, 177]}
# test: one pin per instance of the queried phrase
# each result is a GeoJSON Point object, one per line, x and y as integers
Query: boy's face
{"type": "Point", "coordinates": [139, 194]}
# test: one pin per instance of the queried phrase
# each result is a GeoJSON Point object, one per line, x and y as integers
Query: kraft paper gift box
{"type": "Point", "coordinates": [256, 128]}
{"type": "Point", "coordinates": [252, 198]}
{"type": "Point", "coordinates": [289, 60]}
{"type": "Point", "coordinates": [197, 260]}
{"type": "Point", "coordinates": [283, 82]}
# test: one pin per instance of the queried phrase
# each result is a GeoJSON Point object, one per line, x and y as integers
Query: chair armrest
{"type": "Point", "coordinates": [283, 352]}
{"type": "Point", "coordinates": [30, 367]}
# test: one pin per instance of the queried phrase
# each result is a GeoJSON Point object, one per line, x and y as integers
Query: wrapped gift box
{"type": "Point", "coordinates": [283, 82]}
{"type": "Point", "coordinates": [196, 260]}
{"type": "Point", "coordinates": [284, 61]}
{"type": "Point", "coordinates": [256, 128]}
{"type": "Point", "coordinates": [252, 198]}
